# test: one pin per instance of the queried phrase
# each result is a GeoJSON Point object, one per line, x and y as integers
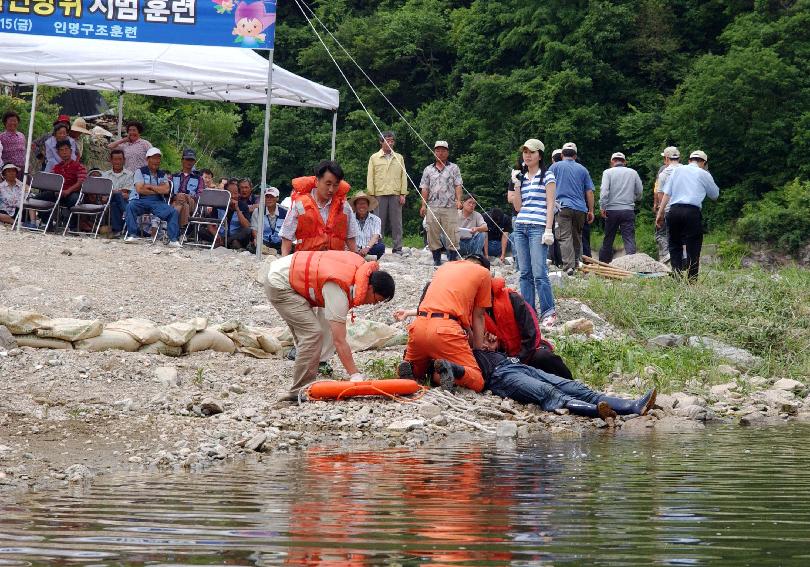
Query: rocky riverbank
{"type": "Point", "coordinates": [68, 415]}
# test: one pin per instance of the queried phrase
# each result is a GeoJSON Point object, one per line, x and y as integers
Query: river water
{"type": "Point", "coordinates": [727, 496]}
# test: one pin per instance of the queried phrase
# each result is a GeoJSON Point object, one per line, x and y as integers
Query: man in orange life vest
{"type": "Point", "coordinates": [333, 282]}
{"type": "Point", "coordinates": [320, 218]}
{"type": "Point", "coordinates": [454, 302]}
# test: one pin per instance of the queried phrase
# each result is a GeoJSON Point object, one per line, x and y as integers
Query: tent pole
{"type": "Point", "coordinates": [28, 146]}
{"type": "Point", "coordinates": [268, 103]}
{"type": "Point", "coordinates": [334, 133]}
{"type": "Point", "coordinates": [121, 109]}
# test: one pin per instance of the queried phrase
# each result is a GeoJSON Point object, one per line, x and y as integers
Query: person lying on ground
{"type": "Point", "coordinates": [313, 292]}
{"type": "Point", "coordinates": [508, 378]}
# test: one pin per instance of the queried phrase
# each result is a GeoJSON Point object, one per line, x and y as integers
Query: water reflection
{"type": "Point", "coordinates": [725, 497]}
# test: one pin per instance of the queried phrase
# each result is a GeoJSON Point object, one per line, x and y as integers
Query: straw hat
{"type": "Point", "coordinates": [79, 125]}
{"type": "Point", "coordinates": [372, 200]}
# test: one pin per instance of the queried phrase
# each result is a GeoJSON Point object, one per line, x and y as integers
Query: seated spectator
{"type": "Point", "coordinates": [60, 134]}
{"type": "Point", "coordinates": [369, 235]}
{"type": "Point", "coordinates": [12, 142]}
{"type": "Point", "coordinates": [223, 183]}
{"type": "Point", "coordinates": [238, 223]}
{"type": "Point", "coordinates": [122, 185]}
{"type": "Point", "coordinates": [134, 147]}
{"type": "Point", "coordinates": [186, 187]}
{"type": "Point", "coordinates": [273, 218]}
{"type": "Point", "coordinates": [11, 191]}
{"type": "Point", "coordinates": [246, 194]}
{"type": "Point", "coordinates": [471, 229]}
{"type": "Point", "coordinates": [208, 179]}
{"type": "Point", "coordinates": [73, 172]}
{"type": "Point", "coordinates": [77, 129]}
{"type": "Point", "coordinates": [152, 186]}
{"type": "Point", "coordinates": [499, 225]}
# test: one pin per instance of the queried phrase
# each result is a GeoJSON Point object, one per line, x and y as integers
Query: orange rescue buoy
{"type": "Point", "coordinates": [336, 389]}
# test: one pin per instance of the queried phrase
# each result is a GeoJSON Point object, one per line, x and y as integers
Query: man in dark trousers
{"type": "Point", "coordinates": [620, 190]}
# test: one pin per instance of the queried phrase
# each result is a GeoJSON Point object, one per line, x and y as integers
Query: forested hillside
{"type": "Point", "coordinates": [730, 77]}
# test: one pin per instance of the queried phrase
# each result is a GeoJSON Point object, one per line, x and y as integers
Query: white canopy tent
{"type": "Point", "coordinates": [179, 71]}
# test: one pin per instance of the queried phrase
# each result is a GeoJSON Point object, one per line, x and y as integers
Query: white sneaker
{"type": "Point", "coordinates": [131, 239]}
{"type": "Point", "coordinates": [549, 321]}
{"type": "Point", "coordinates": [174, 244]}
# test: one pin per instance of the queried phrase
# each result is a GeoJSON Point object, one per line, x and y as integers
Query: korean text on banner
{"type": "Point", "coordinates": [226, 23]}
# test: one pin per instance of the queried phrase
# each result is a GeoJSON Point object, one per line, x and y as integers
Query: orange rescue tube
{"type": "Point", "coordinates": [336, 389]}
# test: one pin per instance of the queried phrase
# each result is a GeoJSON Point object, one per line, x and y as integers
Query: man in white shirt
{"type": "Point", "coordinates": [369, 236]}
{"type": "Point", "coordinates": [123, 187]}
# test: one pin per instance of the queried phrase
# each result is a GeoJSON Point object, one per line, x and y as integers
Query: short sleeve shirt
{"type": "Point", "coordinates": [10, 196]}
{"type": "Point", "coordinates": [470, 222]}
{"type": "Point", "coordinates": [335, 300]}
{"type": "Point", "coordinates": [135, 153]}
{"type": "Point", "coordinates": [441, 185]}
{"type": "Point", "coordinates": [290, 225]}
{"type": "Point", "coordinates": [456, 288]}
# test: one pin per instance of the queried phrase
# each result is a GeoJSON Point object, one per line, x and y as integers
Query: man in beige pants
{"type": "Point", "coordinates": [441, 189]}
{"type": "Point", "coordinates": [333, 281]}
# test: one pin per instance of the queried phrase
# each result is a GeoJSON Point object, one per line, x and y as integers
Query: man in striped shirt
{"type": "Point", "coordinates": [369, 236]}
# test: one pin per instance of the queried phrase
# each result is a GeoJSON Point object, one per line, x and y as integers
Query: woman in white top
{"type": "Point", "coordinates": [532, 195]}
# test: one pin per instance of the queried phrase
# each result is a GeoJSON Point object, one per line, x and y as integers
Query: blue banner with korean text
{"type": "Point", "coordinates": [226, 23]}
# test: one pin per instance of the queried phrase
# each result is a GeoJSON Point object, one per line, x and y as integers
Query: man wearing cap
{"type": "Point", "coordinates": [152, 186]}
{"type": "Point", "coordinates": [187, 185]}
{"type": "Point", "coordinates": [441, 189]}
{"type": "Point", "coordinates": [386, 179]}
{"type": "Point", "coordinates": [620, 190]}
{"type": "Point", "coordinates": [369, 236]}
{"type": "Point", "coordinates": [273, 220]}
{"type": "Point", "coordinates": [575, 198]}
{"type": "Point", "coordinates": [684, 192]}
{"type": "Point", "coordinates": [11, 190]}
{"type": "Point", "coordinates": [122, 184]}
{"type": "Point", "coordinates": [672, 160]}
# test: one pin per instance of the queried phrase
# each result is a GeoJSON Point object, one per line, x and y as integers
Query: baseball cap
{"type": "Point", "coordinates": [441, 144]}
{"type": "Point", "coordinates": [618, 155]}
{"type": "Point", "coordinates": [700, 154]}
{"type": "Point", "coordinates": [534, 145]}
{"type": "Point", "coordinates": [570, 146]}
{"type": "Point", "coordinates": [62, 118]}
{"type": "Point", "coordinates": [556, 152]}
{"type": "Point", "coordinates": [11, 166]}
{"type": "Point", "coordinates": [671, 152]}
{"type": "Point", "coordinates": [271, 191]}
{"type": "Point", "coordinates": [189, 154]}
{"type": "Point", "coordinates": [153, 152]}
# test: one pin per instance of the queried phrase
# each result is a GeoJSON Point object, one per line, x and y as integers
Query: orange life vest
{"type": "Point", "coordinates": [312, 233]}
{"type": "Point", "coordinates": [503, 325]}
{"type": "Point", "coordinates": [310, 271]}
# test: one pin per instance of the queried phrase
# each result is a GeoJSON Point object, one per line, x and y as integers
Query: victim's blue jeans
{"type": "Point", "coordinates": [531, 254]}
{"type": "Point", "coordinates": [529, 385]}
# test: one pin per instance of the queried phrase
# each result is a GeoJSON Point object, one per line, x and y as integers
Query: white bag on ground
{"type": "Point", "coordinates": [177, 334]}
{"type": "Point", "coordinates": [71, 330]}
{"type": "Point", "coordinates": [365, 334]}
{"type": "Point", "coordinates": [21, 322]}
{"type": "Point", "coordinates": [34, 341]}
{"type": "Point", "coordinates": [210, 339]}
{"type": "Point", "coordinates": [109, 340]}
{"type": "Point", "coordinates": [142, 330]}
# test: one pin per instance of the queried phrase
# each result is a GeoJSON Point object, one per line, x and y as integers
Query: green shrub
{"type": "Point", "coordinates": [779, 218]}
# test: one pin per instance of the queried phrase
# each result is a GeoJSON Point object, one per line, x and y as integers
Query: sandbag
{"type": "Point", "coordinates": [210, 339]}
{"type": "Point", "coordinates": [177, 334]}
{"type": "Point", "coordinates": [283, 336]}
{"type": "Point", "coordinates": [109, 340]}
{"type": "Point", "coordinates": [267, 341]}
{"type": "Point", "coordinates": [34, 341]}
{"type": "Point", "coordinates": [199, 323]}
{"type": "Point", "coordinates": [69, 329]}
{"type": "Point", "coordinates": [21, 322]}
{"type": "Point", "coordinates": [161, 348]}
{"type": "Point", "coordinates": [142, 330]}
{"type": "Point", "coordinates": [365, 334]}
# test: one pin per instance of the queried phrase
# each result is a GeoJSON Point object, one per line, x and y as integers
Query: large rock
{"type": "Point", "coordinates": [667, 341]}
{"type": "Point", "coordinates": [506, 429]}
{"type": "Point", "coordinates": [694, 412]}
{"type": "Point", "coordinates": [722, 390]}
{"type": "Point", "coordinates": [639, 425]}
{"type": "Point", "coordinates": [736, 356]}
{"type": "Point", "coordinates": [168, 376]}
{"type": "Point", "coordinates": [789, 385]}
{"type": "Point", "coordinates": [675, 424]}
{"type": "Point", "coordinates": [578, 327]}
{"type": "Point", "coordinates": [683, 400]}
{"type": "Point", "coordinates": [406, 425]}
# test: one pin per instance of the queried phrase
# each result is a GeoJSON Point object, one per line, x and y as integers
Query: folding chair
{"type": "Point", "coordinates": [91, 186]}
{"type": "Point", "coordinates": [43, 183]}
{"type": "Point", "coordinates": [213, 198]}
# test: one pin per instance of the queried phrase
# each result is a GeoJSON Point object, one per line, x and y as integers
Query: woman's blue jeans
{"type": "Point", "coordinates": [531, 255]}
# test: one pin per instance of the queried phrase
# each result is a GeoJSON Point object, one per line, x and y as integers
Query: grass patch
{"type": "Point", "coordinates": [764, 312]}
{"type": "Point", "coordinates": [382, 368]}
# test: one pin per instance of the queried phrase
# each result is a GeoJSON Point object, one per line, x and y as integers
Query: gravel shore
{"type": "Point", "coordinates": [68, 415]}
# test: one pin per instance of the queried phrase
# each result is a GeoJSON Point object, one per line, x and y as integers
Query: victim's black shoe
{"type": "Point", "coordinates": [626, 407]}
{"type": "Point", "coordinates": [601, 409]}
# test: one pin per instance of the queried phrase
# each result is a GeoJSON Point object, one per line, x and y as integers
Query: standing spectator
{"type": "Point", "coordinates": [122, 184]}
{"type": "Point", "coordinates": [386, 179]}
{"type": "Point", "coordinates": [621, 189]}
{"type": "Point", "coordinates": [246, 194]}
{"type": "Point", "coordinates": [60, 134]}
{"type": "Point", "coordinates": [534, 201]}
{"type": "Point", "coordinates": [499, 227]}
{"type": "Point", "coordinates": [472, 229]}
{"type": "Point", "coordinates": [186, 187]}
{"type": "Point", "coordinates": [134, 147]}
{"type": "Point", "coordinates": [11, 191]}
{"type": "Point", "coordinates": [672, 160]}
{"type": "Point", "coordinates": [556, 155]}
{"type": "Point", "coordinates": [152, 185]}
{"type": "Point", "coordinates": [78, 128]}
{"type": "Point", "coordinates": [320, 218]}
{"type": "Point", "coordinates": [273, 219]}
{"type": "Point", "coordinates": [575, 196]}
{"type": "Point", "coordinates": [12, 142]}
{"type": "Point", "coordinates": [441, 189]}
{"type": "Point", "coordinates": [369, 235]}
{"type": "Point", "coordinates": [73, 172]}
{"type": "Point", "coordinates": [682, 203]}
